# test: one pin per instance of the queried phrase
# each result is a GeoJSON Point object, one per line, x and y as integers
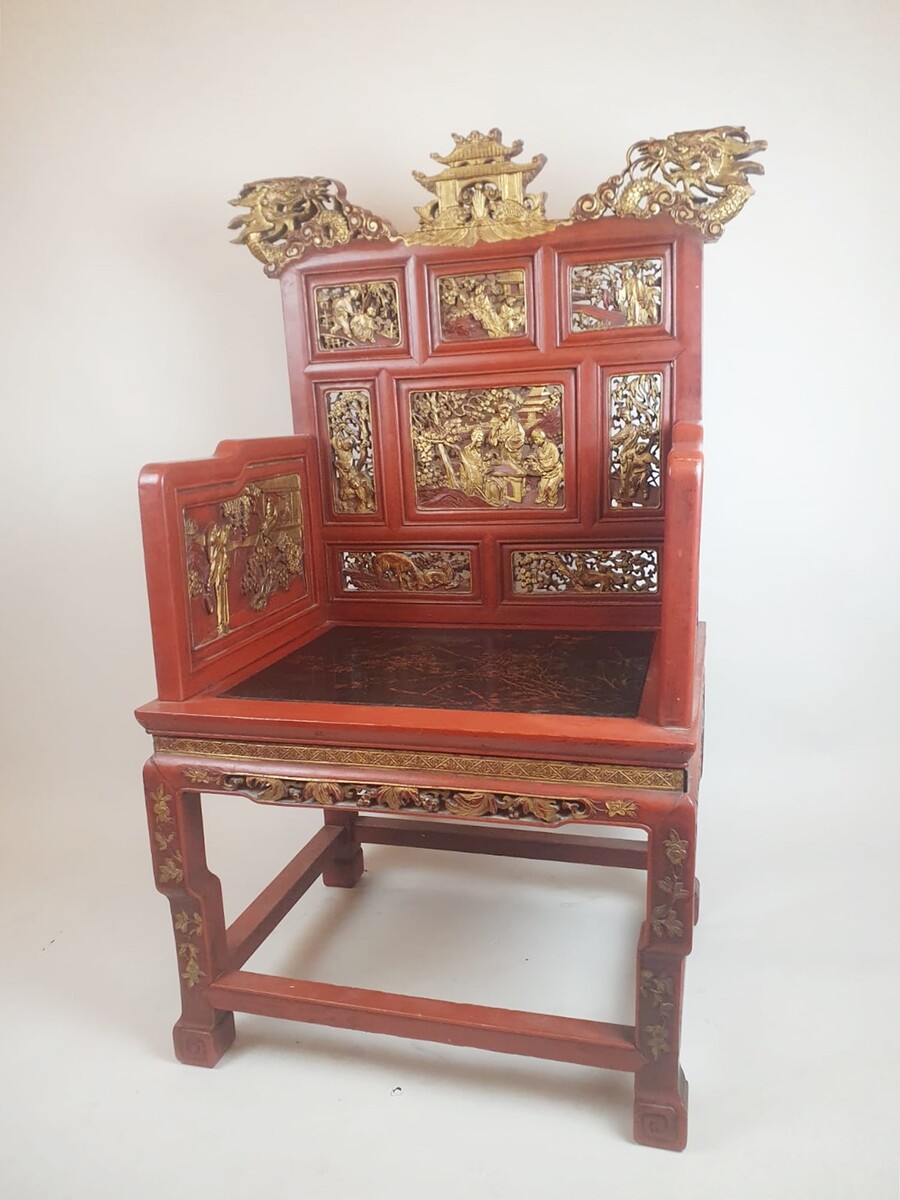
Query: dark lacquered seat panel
{"type": "Point", "coordinates": [599, 674]}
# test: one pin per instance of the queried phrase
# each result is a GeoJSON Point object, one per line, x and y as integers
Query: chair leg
{"type": "Point", "coordinates": [660, 1088]}
{"type": "Point", "coordinates": [202, 1034]}
{"type": "Point", "coordinates": [346, 864]}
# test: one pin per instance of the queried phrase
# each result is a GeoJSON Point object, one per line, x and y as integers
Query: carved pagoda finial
{"type": "Point", "coordinates": [480, 194]}
{"type": "Point", "coordinates": [698, 177]}
{"type": "Point", "coordinates": [289, 216]}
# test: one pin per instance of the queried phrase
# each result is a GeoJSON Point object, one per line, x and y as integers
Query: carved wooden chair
{"type": "Point", "coordinates": [459, 608]}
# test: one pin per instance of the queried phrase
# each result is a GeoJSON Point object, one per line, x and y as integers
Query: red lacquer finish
{"type": "Point", "coordinates": [524, 505]}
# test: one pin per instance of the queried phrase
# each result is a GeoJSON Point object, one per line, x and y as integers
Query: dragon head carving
{"type": "Point", "coordinates": [289, 215]}
{"type": "Point", "coordinates": [699, 177]}
{"type": "Point", "coordinates": [706, 159]}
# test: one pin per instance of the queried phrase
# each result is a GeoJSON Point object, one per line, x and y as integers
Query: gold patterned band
{"type": "Point", "coordinates": [536, 770]}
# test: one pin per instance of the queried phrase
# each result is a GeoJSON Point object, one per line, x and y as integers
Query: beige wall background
{"type": "Point", "coordinates": [134, 332]}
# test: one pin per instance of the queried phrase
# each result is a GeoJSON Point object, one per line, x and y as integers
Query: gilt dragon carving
{"type": "Point", "coordinates": [698, 177]}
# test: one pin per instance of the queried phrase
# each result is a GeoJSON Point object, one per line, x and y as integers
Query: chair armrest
{"type": "Point", "coordinates": [681, 576]}
{"type": "Point", "coordinates": [232, 551]}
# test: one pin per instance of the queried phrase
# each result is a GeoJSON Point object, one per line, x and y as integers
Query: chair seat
{"type": "Point", "coordinates": [587, 673]}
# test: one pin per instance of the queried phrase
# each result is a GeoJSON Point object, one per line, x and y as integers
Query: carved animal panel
{"type": "Point", "coordinates": [358, 316]}
{"type": "Point", "coordinates": [609, 295]}
{"type": "Point", "coordinates": [585, 572]}
{"type": "Point", "coordinates": [482, 307]}
{"type": "Point", "coordinates": [492, 448]}
{"type": "Point", "coordinates": [240, 552]}
{"type": "Point", "coordinates": [409, 570]}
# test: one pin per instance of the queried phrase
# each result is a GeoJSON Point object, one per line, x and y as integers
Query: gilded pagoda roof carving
{"type": "Point", "coordinates": [697, 177]}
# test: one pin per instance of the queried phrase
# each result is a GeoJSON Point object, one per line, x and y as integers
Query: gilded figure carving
{"type": "Point", "coordinates": [265, 789]}
{"type": "Point", "coordinates": [489, 447]}
{"type": "Point", "coordinates": [480, 195]}
{"type": "Point", "coordinates": [635, 403]}
{"type": "Point", "coordinates": [698, 177]}
{"type": "Point", "coordinates": [349, 417]}
{"type": "Point", "coordinates": [353, 316]}
{"type": "Point", "coordinates": [476, 307]}
{"type": "Point", "coordinates": [260, 530]}
{"type": "Point", "coordinates": [585, 572]}
{"type": "Point", "coordinates": [547, 771]}
{"type": "Point", "coordinates": [411, 570]}
{"type": "Point", "coordinates": [289, 216]}
{"type": "Point", "coordinates": [610, 295]}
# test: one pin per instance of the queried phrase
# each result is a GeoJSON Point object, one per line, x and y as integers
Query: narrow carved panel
{"type": "Point", "coordinates": [240, 552]}
{"type": "Point", "coordinates": [354, 316]}
{"type": "Point", "coordinates": [349, 416]}
{"type": "Point", "coordinates": [393, 797]}
{"type": "Point", "coordinates": [635, 403]}
{"type": "Point", "coordinates": [585, 572]}
{"type": "Point", "coordinates": [479, 307]}
{"type": "Point", "coordinates": [416, 571]}
{"type": "Point", "coordinates": [483, 448]}
{"type": "Point", "coordinates": [614, 294]}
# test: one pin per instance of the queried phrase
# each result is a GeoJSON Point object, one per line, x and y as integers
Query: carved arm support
{"type": "Point", "coordinates": [232, 551]}
{"type": "Point", "coordinates": [678, 628]}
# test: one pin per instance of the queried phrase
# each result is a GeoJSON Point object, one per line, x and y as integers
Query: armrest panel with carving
{"type": "Point", "coordinates": [233, 558]}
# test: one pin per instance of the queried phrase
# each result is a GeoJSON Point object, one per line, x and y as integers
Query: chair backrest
{"type": "Point", "coordinates": [496, 396]}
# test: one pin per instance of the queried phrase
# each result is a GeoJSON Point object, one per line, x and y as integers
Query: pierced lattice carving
{"type": "Point", "coordinates": [476, 307]}
{"type": "Point", "coordinates": [488, 447]}
{"type": "Point", "coordinates": [549, 572]}
{"type": "Point", "coordinates": [417, 571]}
{"type": "Point", "coordinates": [615, 294]}
{"type": "Point", "coordinates": [247, 548]}
{"type": "Point", "coordinates": [635, 403]}
{"type": "Point", "coordinates": [349, 416]}
{"type": "Point", "coordinates": [354, 316]}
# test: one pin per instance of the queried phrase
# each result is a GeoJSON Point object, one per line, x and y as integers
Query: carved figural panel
{"type": "Point", "coordinates": [633, 572]}
{"type": "Point", "coordinates": [348, 414]}
{"type": "Point", "coordinates": [240, 552]}
{"type": "Point", "coordinates": [482, 307]}
{"type": "Point", "coordinates": [488, 448]}
{"type": "Point", "coordinates": [358, 316]}
{"type": "Point", "coordinates": [410, 571]}
{"type": "Point", "coordinates": [634, 405]}
{"type": "Point", "coordinates": [610, 295]}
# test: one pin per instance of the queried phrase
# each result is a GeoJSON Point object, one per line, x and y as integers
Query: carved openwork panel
{"type": "Point", "coordinates": [358, 316]}
{"type": "Point", "coordinates": [482, 307]}
{"type": "Point", "coordinates": [410, 571]}
{"type": "Point", "coordinates": [610, 295]}
{"type": "Point", "coordinates": [240, 553]}
{"type": "Point", "coordinates": [634, 406]}
{"type": "Point", "coordinates": [348, 417]}
{"type": "Point", "coordinates": [620, 571]}
{"type": "Point", "coordinates": [490, 448]}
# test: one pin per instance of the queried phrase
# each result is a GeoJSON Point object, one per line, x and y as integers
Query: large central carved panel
{"type": "Point", "coordinates": [492, 448]}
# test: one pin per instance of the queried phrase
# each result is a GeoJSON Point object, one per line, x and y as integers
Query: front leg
{"type": "Point", "coordinates": [202, 1034]}
{"type": "Point", "coordinates": [660, 1088]}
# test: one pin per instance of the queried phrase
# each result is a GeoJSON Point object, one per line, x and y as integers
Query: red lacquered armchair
{"type": "Point", "coordinates": [458, 609]}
